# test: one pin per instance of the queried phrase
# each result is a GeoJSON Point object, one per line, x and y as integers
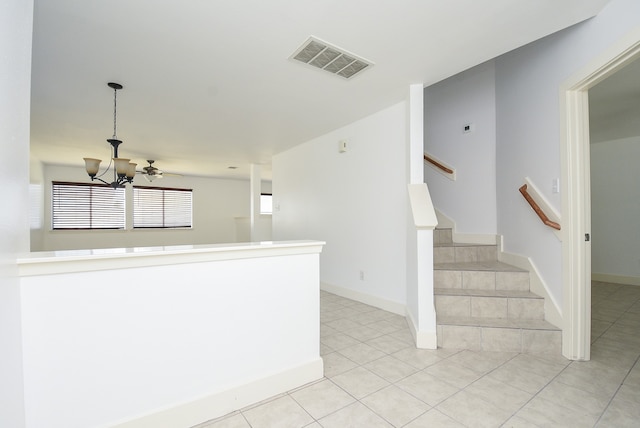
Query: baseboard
{"type": "Point", "coordinates": [552, 312]}
{"type": "Point", "coordinates": [422, 339]}
{"type": "Point", "coordinates": [219, 404]}
{"type": "Point", "coordinates": [616, 279]}
{"type": "Point", "coordinates": [367, 299]}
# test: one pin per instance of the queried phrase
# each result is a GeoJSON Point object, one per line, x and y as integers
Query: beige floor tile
{"type": "Point", "coordinates": [418, 358]}
{"type": "Point", "coordinates": [403, 335]}
{"type": "Point", "coordinates": [500, 394]}
{"type": "Point", "coordinates": [342, 325]}
{"type": "Point", "coordinates": [481, 362]}
{"type": "Point", "coordinates": [283, 412]}
{"type": "Point", "coordinates": [360, 382]}
{"type": "Point", "coordinates": [474, 388]}
{"type": "Point", "coordinates": [322, 398]}
{"type": "Point", "coordinates": [390, 368]}
{"type": "Point", "coordinates": [472, 411]}
{"type": "Point", "coordinates": [338, 341]}
{"type": "Point", "coordinates": [356, 415]}
{"type": "Point", "coordinates": [593, 377]}
{"type": "Point", "coordinates": [538, 365]}
{"type": "Point", "coordinates": [575, 399]}
{"type": "Point", "coordinates": [516, 377]}
{"type": "Point", "coordinates": [388, 344]}
{"type": "Point", "coordinates": [518, 422]}
{"type": "Point", "coordinates": [544, 413]}
{"type": "Point", "coordinates": [364, 333]}
{"type": "Point", "coordinates": [395, 405]}
{"type": "Point", "coordinates": [361, 353]}
{"type": "Point", "coordinates": [624, 410]}
{"type": "Point", "coordinates": [434, 419]}
{"type": "Point", "coordinates": [427, 388]}
{"type": "Point", "coordinates": [335, 364]}
{"type": "Point", "coordinates": [633, 378]}
{"type": "Point", "coordinates": [452, 373]}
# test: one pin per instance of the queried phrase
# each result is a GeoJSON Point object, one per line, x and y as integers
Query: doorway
{"type": "Point", "coordinates": [576, 197]}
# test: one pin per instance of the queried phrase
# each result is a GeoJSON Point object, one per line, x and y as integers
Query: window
{"type": "Point", "coordinates": [266, 203]}
{"type": "Point", "coordinates": [159, 207]}
{"type": "Point", "coordinates": [86, 206]}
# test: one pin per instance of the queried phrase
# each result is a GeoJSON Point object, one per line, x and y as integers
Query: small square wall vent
{"type": "Point", "coordinates": [334, 60]}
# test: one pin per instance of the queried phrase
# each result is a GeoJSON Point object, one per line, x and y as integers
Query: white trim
{"type": "Point", "coordinates": [616, 279]}
{"type": "Point", "coordinates": [552, 311]}
{"type": "Point", "coordinates": [422, 339]}
{"type": "Point", "coordinates": [67, 261]}
{"type": "Point", "coordinates": [576, 197]}
{"type": "Point", "coordinates": [218, 404]}
{"type": "Point", "coordinates": [367, 299]}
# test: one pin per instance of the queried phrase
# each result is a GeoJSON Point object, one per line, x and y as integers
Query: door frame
{"type": "Point", "coordinates": [576, 196]}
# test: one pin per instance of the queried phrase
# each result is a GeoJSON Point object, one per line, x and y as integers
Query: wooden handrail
{"type": "Point", "coordinates": [537, 209]}
{"type": "Point", "coordinates": [438, 164]}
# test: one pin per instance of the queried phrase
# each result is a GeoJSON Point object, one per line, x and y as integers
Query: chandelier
{"type": "Point", "coordinates": [123, 171]}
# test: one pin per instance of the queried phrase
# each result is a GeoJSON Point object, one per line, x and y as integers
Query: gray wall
{"type": "Point", "coordinates": [615, 208]}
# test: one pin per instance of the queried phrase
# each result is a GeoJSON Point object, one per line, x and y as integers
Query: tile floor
{"type": "Point", "coordinates": [375, 377]}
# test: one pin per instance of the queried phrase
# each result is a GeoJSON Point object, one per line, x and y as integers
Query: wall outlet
{"type": "Point", "coordinates": [467, 128]}
{"type": "Point", "coordinates": [361, 275]}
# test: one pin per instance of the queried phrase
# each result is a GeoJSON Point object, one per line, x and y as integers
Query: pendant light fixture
{"type": "Point", "coordinates": [123, 171]}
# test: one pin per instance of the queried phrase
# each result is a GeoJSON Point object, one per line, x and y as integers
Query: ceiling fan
{"type": "Point", "coordinates": [151, 173]}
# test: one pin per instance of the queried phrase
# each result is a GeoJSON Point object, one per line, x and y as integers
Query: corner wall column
{"type": "Point", "coordinates": [420, 301]}
{"type": "Point", "coordinates": [256, 189]}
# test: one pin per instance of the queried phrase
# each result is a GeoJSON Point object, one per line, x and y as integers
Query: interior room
{"type": "Point", "coordinates": [319, 214]}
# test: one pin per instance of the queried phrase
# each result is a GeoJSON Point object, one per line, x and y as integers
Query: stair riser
{"type": "Point", "coordinates": [489, 307]}
{"type": "Point", "coordinates": [442, 236]}
{"type": "Point", "coordinates": [479, 253]}
{"type": "Point", "coordinates": [500, 339]}
{"type": "Point", "coordinates": [481, 280]}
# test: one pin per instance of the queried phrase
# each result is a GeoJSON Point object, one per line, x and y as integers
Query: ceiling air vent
{"type": "Point", "coordinates": [329, 58]}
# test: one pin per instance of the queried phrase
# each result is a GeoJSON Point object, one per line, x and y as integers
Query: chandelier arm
{"type": "Point", "coordinates": [108, 166]}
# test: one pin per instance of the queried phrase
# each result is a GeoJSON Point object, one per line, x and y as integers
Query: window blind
{"type": "Point", "coordinates": [87, 206]}
{"type": "Point", "coordinates": [159, 207]}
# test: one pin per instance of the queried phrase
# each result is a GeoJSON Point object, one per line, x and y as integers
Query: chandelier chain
{"type": "Point", "coordinates": [115, 95]}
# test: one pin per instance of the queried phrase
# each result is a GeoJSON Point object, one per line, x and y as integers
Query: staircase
{"type": "Point", "coordinates": [483, 304]}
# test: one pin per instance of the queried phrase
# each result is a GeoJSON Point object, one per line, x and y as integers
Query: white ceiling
{"type": "Point", "coordinates": [208, 84]}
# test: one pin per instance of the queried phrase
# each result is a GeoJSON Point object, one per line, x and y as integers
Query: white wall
{"type": "Point", "coordinates": [355, 201]}
{"type": "Point", "coordinates": [166, 338]}
{"type": "Point", "coordinates": [466, 98]}
{"type": "Point", "coordinates": [16, 24]}
{"type": "Point", "coordinates": [528, 128]}
{"type": "Point", "coordinates": [216, 204]}
{"type": "Point", "coordinates": [615, 208]}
